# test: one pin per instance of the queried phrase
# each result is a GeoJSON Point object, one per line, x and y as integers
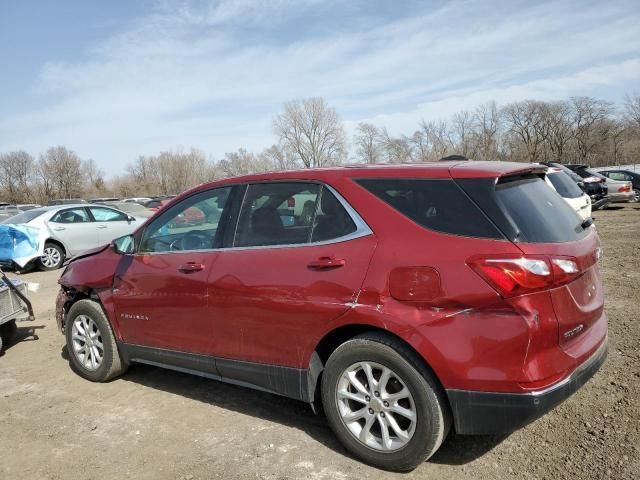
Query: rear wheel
{"type": "Point", "coordinates": [52, 257]}
{"type": "Point", "coordinates": [91, 344]}
{"type": "Point", "coordinates": [636, 195]}
{"type": "Point", "coordinates": [382, 402]}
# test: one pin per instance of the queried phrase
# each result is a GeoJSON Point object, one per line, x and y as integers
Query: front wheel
{"type": "Point", "coordinates": [52, 257]}
{"type": "Point", "coordinates": [383, 403]}
{"type": "Point", "coordinates": [91, 344]}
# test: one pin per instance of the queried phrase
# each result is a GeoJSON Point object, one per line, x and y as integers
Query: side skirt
{"type": "Point", "coordinates": [286, 381]}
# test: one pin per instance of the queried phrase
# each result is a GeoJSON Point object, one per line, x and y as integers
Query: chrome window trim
{"type": "Point", "coordinates": [362, 230]}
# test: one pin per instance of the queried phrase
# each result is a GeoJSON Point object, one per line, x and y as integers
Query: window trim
{"type": "Point", "coordinates": [93, 218]}
{"type": "Point", "coordinates": [58, 212]}
{"type": "Point", "coordinates": [362, 228]}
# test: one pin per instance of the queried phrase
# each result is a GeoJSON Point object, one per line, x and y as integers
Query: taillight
{"type": "Point", "coordinates": [512, 276]}
{"type": "Point", "coordinates": [625, 188]}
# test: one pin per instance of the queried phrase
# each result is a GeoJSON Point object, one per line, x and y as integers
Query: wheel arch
{"type": "Point", "coordinates": [59, 244]}
{"type": "Point", "coordinates": [336, 337]}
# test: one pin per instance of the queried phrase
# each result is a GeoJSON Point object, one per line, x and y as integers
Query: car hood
{"type": "Point", "coordinates": [93, 269]}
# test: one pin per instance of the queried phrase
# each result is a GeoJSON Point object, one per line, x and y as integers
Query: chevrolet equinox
{"type": "Point", "coordinates": [406, 300]}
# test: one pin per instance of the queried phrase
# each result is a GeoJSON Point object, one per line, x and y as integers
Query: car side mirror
{"type": "Point", "coordinates": [581, 185]}
{"type": "Point", "coordinates": [123, 245]}
{"type": "Point", "coordinates": [130, 218]}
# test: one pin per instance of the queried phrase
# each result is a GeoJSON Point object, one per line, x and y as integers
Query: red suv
{"type": "Point", "coordinates": [406, 299]}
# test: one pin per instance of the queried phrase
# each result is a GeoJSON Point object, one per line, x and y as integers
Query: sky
{"type": "Point", "coordinates": [115, 80]}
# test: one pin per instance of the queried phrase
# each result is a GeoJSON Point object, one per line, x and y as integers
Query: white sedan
{"type": "Point", "coordinates": [64, 231]}
{"type": "Point", "coordinates": [569, 191]}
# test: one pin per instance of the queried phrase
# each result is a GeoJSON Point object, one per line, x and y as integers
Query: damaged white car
{"type": "Point", "coordinates": [47, 236]}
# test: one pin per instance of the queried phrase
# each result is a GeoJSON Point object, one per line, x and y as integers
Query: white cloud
{"type": "Point", "coordinates": [213, 77]}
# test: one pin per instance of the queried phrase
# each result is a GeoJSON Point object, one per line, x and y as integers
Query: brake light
{"type": "Point", "coordinates": [625, 188]}
{"type": "Point", "coordinates": [512, 276]}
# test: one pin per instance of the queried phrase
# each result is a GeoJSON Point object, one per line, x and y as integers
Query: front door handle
{"type": "Point", "coordinates": [102, 226]}
{"type": "Point", "coordinates": [326, 263]}
{"type": "Point", "coordinates": [191, 267]}
{"type": "Point", "coordinates": [59, 229]}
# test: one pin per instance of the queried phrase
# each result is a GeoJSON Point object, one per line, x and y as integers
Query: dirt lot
{"type": "Point", "coordinates": [154, 424]}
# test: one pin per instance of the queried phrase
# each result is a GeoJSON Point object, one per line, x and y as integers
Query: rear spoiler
{"type": "Point", "coordinates": [473, 169]}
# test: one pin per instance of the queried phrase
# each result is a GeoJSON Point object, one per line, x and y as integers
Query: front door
{"type": "Point", "coordinates": [73, 227]}
{"type": "Point", "coordinates": [298, 261]}
{"type": "Point", "coordinates": [161, 291]}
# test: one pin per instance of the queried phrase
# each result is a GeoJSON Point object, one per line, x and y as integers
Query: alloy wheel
{"type": "Point", "coordinates": [51, 257]}
{"type": "Point", "coordinates": [376, 406]}
{"type": "Point", "coordinates": [87, 342]}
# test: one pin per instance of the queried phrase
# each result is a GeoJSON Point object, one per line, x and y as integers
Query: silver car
{"type": "Point", "coordinates": [71, 229]}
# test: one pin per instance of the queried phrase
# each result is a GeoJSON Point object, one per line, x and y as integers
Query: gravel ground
{"type": "Point", "coordinates": [153, 423]}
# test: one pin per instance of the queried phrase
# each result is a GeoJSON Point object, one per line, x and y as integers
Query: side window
{"type": "Point", "coordinates": [191, 224]}
{"type": "Point", "coordinates": [332, 220]}
{"type": "Point", "coordinates": [289, 214]}
{"type": "Point", "coordinates": [74, 215]}
{"type": "Point", "coordinates": [277, 213]}
{"type": "Point", "coordinates": [616, 175]}
{"type": "Point", "coordinates": [107, 215]}
{"type": "Point", "coordinates": [435, 204]}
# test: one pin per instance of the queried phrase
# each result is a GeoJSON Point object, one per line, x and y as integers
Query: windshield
{"type": "Point", "coordinates": [25, 217]}
{"type": "Point", "coordinates": [565, 187]}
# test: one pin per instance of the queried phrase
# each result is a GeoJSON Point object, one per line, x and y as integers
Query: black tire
{"type": "Point", "coordinates": [60, 255]}
{"type": "Point", "coordinates": [111, 364]}
{"type": "Point", "coordinates": [8, 332]}
{"type": "Point", "coordinates": [636, 191]}
{"type": "Point", "coordinates": [433, 418]}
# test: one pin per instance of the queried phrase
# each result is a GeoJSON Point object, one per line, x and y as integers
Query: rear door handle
{"type": "Point", "coordinates": [326, 263]}
{"type": "Point", "coordinates": [102, 226]}
{"type": "Point", "coordinates": [191, 267]}
{"type": "Point", "coordinates": [59, 229]}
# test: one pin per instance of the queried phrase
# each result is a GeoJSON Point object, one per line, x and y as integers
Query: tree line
{"type": "Point", "coordinates": [311, 134]}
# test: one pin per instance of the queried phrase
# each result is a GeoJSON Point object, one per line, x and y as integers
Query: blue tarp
{"type": "Point", "coordinates": [19, 243]}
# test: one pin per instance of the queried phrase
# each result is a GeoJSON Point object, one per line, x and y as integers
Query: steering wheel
{"type": "Point", "coordinates": [192, 240]}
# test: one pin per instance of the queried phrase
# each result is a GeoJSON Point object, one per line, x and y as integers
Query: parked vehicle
{"type": "Point", "coordinates": [594, 187]}
{"type": "Point", "coordinates": [625, 176]}
{"type": "Point", "coordinates": [140, 200]}
{"type": "Point", "coordinates": [570, 191]}
{"type": "Point", "coordinates": [412, 299]}
{"type": "Point", "coordinates": [618, 192]}
{"type": "Point", "coordinates": [65, 231]}
{"type": "Point", "coordinates": [103, 199]}
{"type": "Point", "coordinates": [131, 208]}
{"type": "Point", "coordinates": [65, 201]}
{"type": "Point", "coordinates": [27, 206]}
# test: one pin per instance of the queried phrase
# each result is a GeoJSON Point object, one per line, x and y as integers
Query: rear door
{"type": "Point", "coordinates": [73, 227]}
{"type": "Point", "coordinates": [111, 223]}
{"type": "Point", "coordinates": [298, 258]}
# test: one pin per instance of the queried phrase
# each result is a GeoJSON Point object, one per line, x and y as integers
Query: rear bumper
{"type": "Point", "coordinates": [482, 413]}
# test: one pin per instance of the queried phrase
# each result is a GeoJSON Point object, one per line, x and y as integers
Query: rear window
{"type": "Point", "coordinates": [24, 217]}
{"type": "Point", "coordinates": [436, 204]}
{"type": "Point", "coordinates": [537, 214]}
{"type": "Point", "coordinates": [566, 187]}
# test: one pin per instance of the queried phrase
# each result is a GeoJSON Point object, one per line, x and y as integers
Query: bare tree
{"type": "Point", "coordinates": [242, 162]}
{"type": "Point", "coordinates": [632, 109]}
{"type": "Point", "coordinates": [396, 149]}
{"type": "Point", "coordinates": [558, 122]}
{"type": "Point", "coordinates": [487, 126]}
{"type": "Point", "coordinates": [60, 171]}
{"type": "Point", "coordinates": [279, 158]}
{"type": "Point", "coordinates": [591, 128]}
{"type": "Point", "coordinates": [15, 172]}
{"type": "Point", "coordinates": [525, 123]}
{"type": "Point", "coordinates": [312, 130]}
{"type": "Point", "coordinates": [367, 141]}
{"type": "Point", "coordinates": [464, 136]}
